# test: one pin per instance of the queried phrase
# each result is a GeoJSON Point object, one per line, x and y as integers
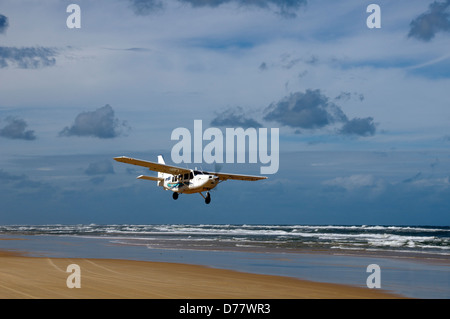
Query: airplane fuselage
{"type": "Point", "coordinates": [194, 182]}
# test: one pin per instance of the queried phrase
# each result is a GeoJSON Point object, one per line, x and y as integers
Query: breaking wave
{"type": "Point", "coordinates": [417, 239]}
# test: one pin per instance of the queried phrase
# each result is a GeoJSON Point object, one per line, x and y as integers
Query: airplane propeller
{"type": "Point", "coordinates": [217, 168]}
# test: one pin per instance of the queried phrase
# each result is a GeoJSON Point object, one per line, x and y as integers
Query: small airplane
{"type": "Point", "coordinates": [183, 180]}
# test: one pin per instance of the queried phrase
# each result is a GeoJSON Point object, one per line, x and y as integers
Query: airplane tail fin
{"type": "Point", "coordinates": [161, 175]}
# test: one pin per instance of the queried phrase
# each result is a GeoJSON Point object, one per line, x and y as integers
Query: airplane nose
{"type": "Point", "coordinates": [213, 180]}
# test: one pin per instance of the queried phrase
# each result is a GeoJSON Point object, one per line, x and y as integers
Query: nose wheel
{"type": "Point", "coordinates": [175, 196]}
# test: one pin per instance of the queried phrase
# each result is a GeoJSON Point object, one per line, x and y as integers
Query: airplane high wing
{"type": "Point", "coordinates": [182, 180]}
{"type": "Point", "coordinates": [226, 176]}
{"type": "Point", "coordinates": [157, 167]}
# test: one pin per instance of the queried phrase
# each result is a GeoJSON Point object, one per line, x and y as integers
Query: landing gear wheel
{"type": "Point", "coordinates": [208, 198]}
{"type": "Point", "coordinates": [175, 196]}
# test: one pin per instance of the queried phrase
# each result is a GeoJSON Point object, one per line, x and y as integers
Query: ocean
{"type": "Point", "coordinates": [407, 239]}
{"type": "Point", "coordinates": [414, 260]}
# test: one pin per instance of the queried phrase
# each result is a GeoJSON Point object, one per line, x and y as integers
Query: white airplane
{"type": "Point", "coordinates": [183, 180]}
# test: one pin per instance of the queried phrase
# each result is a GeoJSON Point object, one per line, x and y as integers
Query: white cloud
{"type": "Point", "coordinates": [368, 182]}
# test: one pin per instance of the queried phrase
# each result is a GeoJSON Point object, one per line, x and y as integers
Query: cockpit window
{"type": "Point", "coordinates": [198, 173]}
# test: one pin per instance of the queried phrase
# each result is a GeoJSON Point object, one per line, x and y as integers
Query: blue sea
{"type": "Point", "coordinates": [414, 260]}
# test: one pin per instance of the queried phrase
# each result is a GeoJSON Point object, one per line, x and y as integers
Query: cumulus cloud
{"type": "Point", "coordinates": [309, 110]}
{"type": "Point", "coordinates": [3, 23]}
{"type": "Point", "coordinates": [313, 110]}
{"type": "Point", "coordinates": [27, 58]}
{"type": "Point", "coordinates": [436, 19]}
{"type": "Point", "coordinates": [286, 8]}
{"type": "Point", "coordinates": [100, 123]}
{"type": "Point", "coordinates": [100, 168]}
{"type": "Point", "coordinates": [16, 128]}
{"type": "Point", "coordinates": [234, 117]}
{"type": "Point", "coordinates": [359, 126]}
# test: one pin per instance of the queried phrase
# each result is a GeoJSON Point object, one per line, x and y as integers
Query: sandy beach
{"type": "Point", "coordinates": [42, 277]}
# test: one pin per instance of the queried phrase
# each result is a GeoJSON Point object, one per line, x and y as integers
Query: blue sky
{"type": "Point", "coordinates": [374, 148]}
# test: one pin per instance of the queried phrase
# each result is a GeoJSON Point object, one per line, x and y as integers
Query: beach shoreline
{"type": "Point", "coordinates": [23, 277]}
{"type": "Point", "coordinates": [197, 246]}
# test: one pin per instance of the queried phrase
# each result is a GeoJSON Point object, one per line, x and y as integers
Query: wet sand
{"type": "Point", "coordinates": [42, 277]}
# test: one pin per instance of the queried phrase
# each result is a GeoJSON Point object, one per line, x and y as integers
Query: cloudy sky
{"type": "Point", "coordinates": [363, 114]}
